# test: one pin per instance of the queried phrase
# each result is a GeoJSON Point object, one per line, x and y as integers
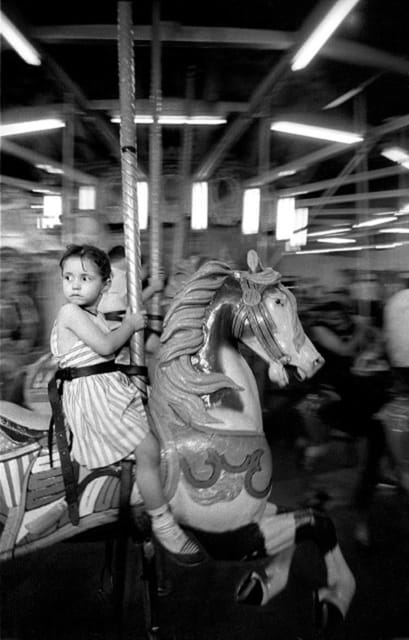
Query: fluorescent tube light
{"type": "Point", "coordinates": [199, 206]}
{"type": "Point", "coordinates": [285, 218]}
{"type": "Point", "coordinates": [320, 133]}
{"type": "Point", "coordinates": [298, 236]}
{"type": "Point", "coordinates": [337, 240]}
{"type": "Point", "coordinates": [373, 222]}
{"type": "Point", "coordinates": [18, 42]}
{"type": "Point", "coordinates": [398, 155]}
{"type": "Point", "coordinates": [142, 194]}
{"type": "Point", "coordinates": [48, 168]}
{"type": "Point", "coordinates": [322, 33]}
{"type": "Point", "coordinates": [250, 221]}
{"type": "Point", "coordinates": [396, 230]}
{"type": "Point", "coordinates": [177, 120]}
{"type": "Point", "coordinates": [52, 210]}
{"type": "Point", "coordinates": [86, 197]}
{"type": "Point", "coordinates": [18, 128]}
{"type": "Point", "coordinates": [391, 245]}
{"type": "Point", "coordinates": [333, 250]}
{"type": "Point", "coordinates": [328, 232]}
{"type": "Point", "coordinates": [403, 211]}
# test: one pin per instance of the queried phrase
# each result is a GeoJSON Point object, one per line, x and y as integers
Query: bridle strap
{"type": "Point", "coordinates": [253, 309]}
{"type": "Point", "coordinates": [261, 326]}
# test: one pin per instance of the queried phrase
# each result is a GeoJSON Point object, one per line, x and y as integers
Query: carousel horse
{"type": "Point", "coordinates": [215, 461]}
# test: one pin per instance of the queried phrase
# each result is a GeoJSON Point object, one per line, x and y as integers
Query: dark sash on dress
{"type": "Point", "coordinates": [57, 423]}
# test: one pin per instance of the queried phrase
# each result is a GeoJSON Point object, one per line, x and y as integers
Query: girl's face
{"type": "Point", "coordinates": [82, 282]}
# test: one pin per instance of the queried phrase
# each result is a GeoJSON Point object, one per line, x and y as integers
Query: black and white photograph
{"type": "Point", "coordinates": [204, 320]}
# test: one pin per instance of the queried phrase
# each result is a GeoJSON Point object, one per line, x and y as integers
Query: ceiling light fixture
{"type": "Point", "coordinates": [200, 199]}
{"type": "Point", "coordinates": [374, 222]}
{"type": "Point", "coordinates": [398, 155]}
{"type": "Point", "coordinates": [322, 33]}
{"type": "Point", "coordinates": [142, 194]}
{"type": "Point", "coordinates": [48, 168]}
{"type": "Point", "coordinates": [250, 221]}
{"type": "Point", "coordinates": [396, 230]}
{"type": "Point", "coordinates": [319, 133]}
{"type": "Point", "coordinates": [391, 245]}
{"type": "Point", "coordinates": [17, 128]}
{"type": "Point", "coordinates": [285, 173]}
{"type": "Point", "coordinates": [328, 232]}
{"type": "Point", "coordinates": [177, 120]}
{"type": "Point", "coordinates": [337, 240]}
{"type": "Point", "coordinates": [18, 42]}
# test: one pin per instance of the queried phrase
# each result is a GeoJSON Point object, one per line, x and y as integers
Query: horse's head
{"type": "Point", "coordinates": [267, 322]}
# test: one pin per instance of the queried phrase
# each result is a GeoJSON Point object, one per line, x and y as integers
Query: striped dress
{"type": "Point", "coordinates": [104, 411]}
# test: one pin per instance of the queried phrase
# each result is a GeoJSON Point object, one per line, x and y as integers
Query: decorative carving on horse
{"type": "Point", "coordinates": [216, 463]}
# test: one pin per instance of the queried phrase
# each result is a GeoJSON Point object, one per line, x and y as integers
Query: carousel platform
{"type": "Point", "coordinates": [56, 594]}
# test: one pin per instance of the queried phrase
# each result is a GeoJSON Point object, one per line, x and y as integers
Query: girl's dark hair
{"type": "Point", "coordinates": [95, 255]}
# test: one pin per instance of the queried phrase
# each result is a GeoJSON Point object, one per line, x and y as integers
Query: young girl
{"type": "Point", "coordinates": [105, 411]}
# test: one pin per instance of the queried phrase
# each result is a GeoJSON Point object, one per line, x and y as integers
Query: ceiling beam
{"type": "Point", "coordinates": [395, 124]}
{"type": "Point", "coordinates": [35, 158]}
{"type": "Point", "coordinates": [354, 197]}
{"type": "Point", "coordinates": [339, 213]}
{"type": "Point", "coordinates": [263, 39]}
{"type": "Point", "coordinates": [27, 185]}
{"type": "Point", "coordinates": [356, 177]}
{"type": "Point", "coordinates": [73, 91]}
{"type": "Point", "coordinates": [175, 106]}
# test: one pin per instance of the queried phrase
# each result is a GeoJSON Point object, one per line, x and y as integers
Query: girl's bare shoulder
{"type": "Point", "coordinates": [69, 311]}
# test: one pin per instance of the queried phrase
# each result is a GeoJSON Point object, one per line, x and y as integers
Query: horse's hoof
{"type": "Point", "coordinates": [327, 616]}
{"type": "Point", "coordinates": [250, 590]}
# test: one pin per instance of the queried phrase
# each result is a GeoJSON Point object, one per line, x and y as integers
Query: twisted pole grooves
{"type": "Point", "coordinates": [129, 169]}
{"type": "Point", "coordinates": [155, 166]}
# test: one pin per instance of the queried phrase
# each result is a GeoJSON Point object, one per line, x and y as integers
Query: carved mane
{"type": "Point", "coordinates": [179, 383]}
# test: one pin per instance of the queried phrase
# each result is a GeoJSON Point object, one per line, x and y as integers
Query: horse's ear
{"type": "Point", "coordinates": [254, 262]}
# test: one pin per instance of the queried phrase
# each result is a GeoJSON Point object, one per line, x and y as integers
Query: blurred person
{"type": "Point", "coordinates": [395, 415]}
{"type": "Point", "coordinates": [104, 409]}
{"type": "Point", "coordinates": [19, 322]}
{"type": "Point", "coordinates": [338, 339]}
{"type": "Point", "coordinates": [114, 301]}
{"type": "Point", "coordinates": [346, 393]}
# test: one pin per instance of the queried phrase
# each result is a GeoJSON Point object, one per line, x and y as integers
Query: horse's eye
{"type": "Point", "coordinates": [278, 301]}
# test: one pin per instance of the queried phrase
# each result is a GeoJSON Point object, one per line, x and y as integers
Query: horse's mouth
{"type": "Point", "coordinates": [295, 374]}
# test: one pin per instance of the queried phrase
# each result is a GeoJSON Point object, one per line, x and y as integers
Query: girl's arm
{"type": "Point", "coordinates": [75, 319]}
{"type": "Point", "coordinates": [154, 286]}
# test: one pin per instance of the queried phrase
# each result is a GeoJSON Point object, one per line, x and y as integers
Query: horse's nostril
{"type": "Point", "coordinates": [318, 362]}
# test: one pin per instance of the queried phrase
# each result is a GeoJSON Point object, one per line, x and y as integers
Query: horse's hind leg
{"type": "Point", "coordinates": [333, 599]}
{"type": "Point", "coordinates": [281, 532]}
{"type": "Point", "coordinates": [260, 586]}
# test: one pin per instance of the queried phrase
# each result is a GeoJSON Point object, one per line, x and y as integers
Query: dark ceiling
{"type": "Point", "coordinates": [369, 52]}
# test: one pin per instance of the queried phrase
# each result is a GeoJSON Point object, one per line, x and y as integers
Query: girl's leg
{"type": "Point", "coordinates": [164, 526]}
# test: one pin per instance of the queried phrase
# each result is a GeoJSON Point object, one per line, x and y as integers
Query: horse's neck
{"type": "Point", "coordinates": [239, 409]}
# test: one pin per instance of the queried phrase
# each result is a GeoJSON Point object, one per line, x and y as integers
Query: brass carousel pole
{"type": "Point", "coordinates": [133, 259]}
{"type": "Point", "coordinates": [155, 167]}
{"type": "Point", "coordinates": [129, 170]}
